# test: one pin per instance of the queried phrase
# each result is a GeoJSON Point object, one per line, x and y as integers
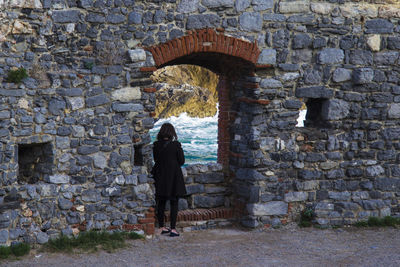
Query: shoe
{"type": "Point", "coordinates": [173, 234]}
{"type": "Point", "coordinates": [166, 231]}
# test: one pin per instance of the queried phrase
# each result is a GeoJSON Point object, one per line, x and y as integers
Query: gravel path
{"type": "Point", "coordinates": [290, 246]}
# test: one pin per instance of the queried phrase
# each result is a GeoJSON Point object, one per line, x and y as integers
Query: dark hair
{"type": "Point", "coordinates": [167, 131]}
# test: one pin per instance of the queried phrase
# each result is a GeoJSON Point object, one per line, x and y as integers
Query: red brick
{"type": "Point", "coordinates": [148, 69]}
{"type": "Point", "coordinates": [149, 90]}
{"type": "Point", "coordinates": [146, 220]}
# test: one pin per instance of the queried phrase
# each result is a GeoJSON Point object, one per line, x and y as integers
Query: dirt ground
{"type": "Point", "coordinates": [288, 246]}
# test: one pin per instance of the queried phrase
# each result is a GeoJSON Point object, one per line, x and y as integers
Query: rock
{"type": "Point", "coordinates": [97, 100]}
{"type": "Point", "coordinates": [3, 236]}
{"type": "Point", "coordinates": [335, 109]}
{"type": "Point", "coordinates": [269, 208]}
{"type": "Point", "coordinates": [270, 83]}
{"type": "Point", "coordinates": [241, 5]}
{"type": "Point", "coordinates": [64, 204]}
{"type": "Point", "coordinates": [127, 107]}
{"type": "Point", "coordinates": [100, 160]}
{"type": "Point", "coordinates": [111, 81]}
{"type": "Point", "coordinates": [294, 7]}
{"type": "Point", "coordinates": [76, 102]}
{"type": "Point", "coordinates": [363, 75]}
{"type": "Point", "coordinates": [341, 75]}
{"type": "Point", "coordinates": [386, 58]}
{"type": "Point", "coordinates": [314, 92]}
{"type": "Point", "coordinates": [217, 3]}
{"type": "Point", "coordinates": [267, 56]}
{"type": "Point", "coordinates": [188, 6]}
{"type": "Point", "coordinates": [322, 8]}
{"type": "Point", "coordinates": [56, 107]}
{"type": "Point", "coordinates": [91, 195]}
{"type": "Point", "coordinates": [208, 201]}
{"type": "Point", "coordinates": [331, 56]}
{"type": "Point", "coordinates": [301, 41]}
{"type": "Point", "coordinates": [59, 179]}
{"type": "Point", "coordinates": [261, 5]}
{"type": "Point", "coordinates": [251, 21]}
{"type": "Point", "coordinates": [378, 26]}
{"type": "Point", "coordinates": [394, 111]}
{"type": "Point", "coordinates": [374, 42]}
{"type": "Point", "coordinates": [209, 178]}
{"type": "Point", "coordinates": [137, 55]}
{"type": "Point", "coordinates": [373, 171]}
{"type": "Point", "coordinates": [202, 21]}
{"type": "Point", "coordinates": [296, 196]}
{"type": "Point", "coordinates": [135, 18]}
{"type": "Point", "coordinates": [66, 16]}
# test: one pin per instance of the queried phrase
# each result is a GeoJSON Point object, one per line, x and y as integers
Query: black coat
{"type": "Point", "coordinates": [168, 158]}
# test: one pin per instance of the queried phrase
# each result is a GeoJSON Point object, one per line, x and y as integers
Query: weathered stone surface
{"type": "Point", "coordinates": [294, 7]}
{"type": "Point", "coordinates": [66, 16]}
{"type": "Point", "coordinates": [208, 201]}
{"type": "Point", "coordinates": [341, 75]}
{"type": "Point", "coordinates": [331, 56]}
{"type": "Point", "coordinates": [322, 8]}
{"type": "Point", "coordinates": [217, 3]}
{"type": "Point", "coordinates": [251, 21]}
{"type": "Point", "coordinates": [137, 55]}
{"type": "Point", "coordinates": [378, 26]}
{"type": "Point", "coordinates": [374, 42]}
{"type": "Point", "coordinates": [202, 21]}
{"type": "Point", "coordinates": [296, 196]}
{"type": "Point", "coordinates": [394, 111]}
{"type": "Point", "coordinates": [270, 208]}
{"type": "Point", "coordinates": [260, 5]}
{"type": "Point", "coordinates": [267, 56]}
{"type": "Point", "coordinates": [314, 92]}
{"type": "Point", "coordinates": [188, 6]}
{"type": "Point", "coordinates": [127, 107]}
{"type": "Point", "coordinates": [59, 179]}
{"type": "Point", "coordinates": [335, 109]}
{"type": "Point", "coordinates": [270, 83]}
{"type": "Point", "coordinates": [209, 178]}
{"type": "Point", "coordinates": [363, 75]}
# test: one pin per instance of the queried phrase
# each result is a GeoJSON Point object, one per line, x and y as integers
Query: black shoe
{"type": "Point", "coordinates": [166, 231]}
{"type": "Point", "coordinates": [173, 234]}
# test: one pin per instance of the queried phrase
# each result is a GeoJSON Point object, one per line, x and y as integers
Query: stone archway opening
{"type": "Point", "coordinates": [212, 191]}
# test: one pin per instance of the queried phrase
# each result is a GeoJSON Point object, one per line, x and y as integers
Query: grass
{"type": "Point", "coordinates": [90, 241]}
{"type": "Point", "coordinates": [18, 250]}
{"type": "Point", "coordinates": [16, 76]}
{"type": "Point", "coordinates": [306, 218]}
{"type": "Point", "coordinates": [379, 222]}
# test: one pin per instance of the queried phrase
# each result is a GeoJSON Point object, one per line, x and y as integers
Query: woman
{"type": "Point", "coordinates": [168, 157]}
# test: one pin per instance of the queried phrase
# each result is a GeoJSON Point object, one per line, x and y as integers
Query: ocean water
{"type": "Point", "coordinates": [199, 135]}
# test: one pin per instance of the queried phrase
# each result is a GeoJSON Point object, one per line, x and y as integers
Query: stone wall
{"type": "Point", "coordinates": [89, 95]}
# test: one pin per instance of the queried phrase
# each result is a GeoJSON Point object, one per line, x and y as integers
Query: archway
{"type": "Point", "coordinates": [234, 61]}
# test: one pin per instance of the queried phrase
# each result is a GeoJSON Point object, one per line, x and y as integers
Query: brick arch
{"type": "Point", "coordinates": [204, 41]}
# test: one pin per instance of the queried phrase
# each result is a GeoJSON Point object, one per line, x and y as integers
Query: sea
{"type": "Point", "coordinates": [198, 136]}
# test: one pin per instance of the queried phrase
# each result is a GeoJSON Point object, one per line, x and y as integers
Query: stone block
{"type": "Point", "coordinates": [341, 196]}
{"type": "Point", "coordinates": [374, 42]}
{"type": "Point", "coordinates": [261, 5]}
{"type": "Point", "coordinates": [137, 55]}
{"type": "Point", "coordinates": [322, 8]}
{"type": "Point", "coordinates": [386, 58]}
{"type": "Point", "coordinates": [335, 109]}
{"type": "Point", "coordinates": [270, 83]}
{"type": "Point", "coordinates": [309, 174]}
{"type": "Point", "coordinates": [394, 111]}
{"type": "Point", "coordinates": [217, 3]}
{"type": "Point", "coordinates": [90, 195]}
{"type": "Point", "coordinates": [331, 56]}
{"type": "Point", "coordinates": [66, 16]}
{"type": "Point", "coordinates": [373, 204]}
{"type": "Point", "coordinates": [249, 175]}
{"type": "Point", "coordinates": [301, 41]}
{"type": "Point", "coordinates": [135, 18]}
{"type": "Point", "coordinates": [59, 179]}
{"type": "Point", "coordinates": [314, 92]}
{"type": "Point", "coordinates": [209, 178]}
{"type": "Point", "coordinates": [127, 107]}
{"type": "Point", "coordinates": [296, 196]}
{"type": "Point", "coordinates": [241, 5]}
{"type": "Point", "coordinates": [267, 56]}
{"type": "Point", "coordinates": [363, 75]}
{"type": "Point", "coordinates": [387, 184]}
{"type": "Point", "coordinates": [341, 75]}
{"type": "Point", "coordinates": [374, 171]}
{"type": "Point", "coordinates": [194, 189]}
{"type": "Point", "coordinates": [202, 21]}
{"type": "Point", "coordinates": [97, 100]}
{"type": "Point", "coordinates": [378, 26]}
{"type": "Point", "coordinates": [294, 7]}
{"type": "Point", "coordinates": [251, 21]}
{"type": "Point", "coordinates": [188, 6]}
{"type": "Point", "coordinates": [208, 201]}
{"type": "Point", "coordinates": [4, 236]}
{"type": "Point", "coordinates": [269, 208]}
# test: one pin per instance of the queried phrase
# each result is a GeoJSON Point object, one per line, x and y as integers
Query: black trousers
{"type": "Point", "coordinates": [161, 209]}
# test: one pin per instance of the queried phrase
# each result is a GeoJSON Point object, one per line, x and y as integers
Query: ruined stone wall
{"type": "Point", "coordinates": [90, 96]}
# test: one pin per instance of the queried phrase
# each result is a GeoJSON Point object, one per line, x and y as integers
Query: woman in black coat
{"type": "Point", "coordinates": [169, 183]}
